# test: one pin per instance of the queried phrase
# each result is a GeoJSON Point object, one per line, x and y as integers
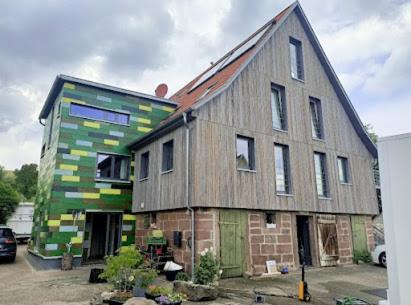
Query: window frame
{"type": "Point", "coordinates": [115, 180]}
{"type": "Point", "coordinates": [163, 161]}
{"type": "Point", "coordinates": [282, 105]}
{"type": "Point", "coordinates": [127, 113]}
{"type": "Point", "coordinates": [316, 103]}
{"type": "Point", "coordinates": [286, 164]}
{"type": "Point", "coordinates": [346, 170]}
{"type": "Point", "coordinates": [324, 175]}
{"type": "Point", "coordinates": [299, 59]}
{"type": "Point", "coordinates": [147, 166]}
{"type": "Point", "coordinates": [250, 151]}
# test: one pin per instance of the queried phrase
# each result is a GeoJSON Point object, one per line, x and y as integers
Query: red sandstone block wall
{"type": "Point", "coordinates": [344, 236]}
{"type": "Point", "coordinates": [369, 231]}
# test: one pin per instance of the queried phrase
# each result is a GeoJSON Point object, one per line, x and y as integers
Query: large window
{"type": "Point", "coordinates": [296, 57]}
{"type": "Point", "coordinates": [343, 172]}
{"type": "Point", "coordinates": [168, 152]}
{"type": "Point", "coordinates": [282, 169]}
{"type": "Point", "coordinates": [113, 167]}
{"type": "Point", "coordinates": [99, 114]}
{"type": "Point", "coordinates": [321, 174]}
{"type": "Point", "coordinates": [144, 165]}
{"type": "Point", "coordinates": [317, 128]}
{"type": "Point", "coordinates": [245, 153]}
{"type": "Point", "coordinates": [278, 107]}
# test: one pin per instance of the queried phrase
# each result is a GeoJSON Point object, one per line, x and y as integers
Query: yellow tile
{"type": "Point", "coordinates": [91, 124]}
{"type": "Point", "coordinates": [69, 167]}
{"type": "Point", "coordinates": [169, 109]}
{"type": "Point", "coordinates": [132, 163]}
{"type": "Point", "coordinates": [66, 217]}
{"type": "Point", "coordinates": [129, 217]}
{"type": "Point", "coordinates": [76, 240]}
{"type": "Point", "coordinates": [78, 152]}
{"type": "Point", "coordinates": [91, 195]}
{"type": "Point", "coordinates": [132, 178]}
{"type": "Point", "coordinates": [124, 238]}
{"type": "Point", "coordinates": [110, 191]}
{"type": "Point", "coordinates": [69, 86]}
{"type": "Point", "coordinates": [146, 108]}
{"type": "Point", "coordinates": [143, 120]}
{"type": "Point", "coordinates": [111, 142]}
{"type": "Point", "coordinates": [53, 223]}
{"type": "Point", "coordinates": [144, 129]}
{"type": "Point", "coordinates": [72, 100]}
{"type": "Point", "coordinates": [70, 178]}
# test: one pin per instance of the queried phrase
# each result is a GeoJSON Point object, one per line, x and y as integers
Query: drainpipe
{"type": "Point", "coordinates": [187, 195]}
{"type": "Point", "coordinates": [42, 122]}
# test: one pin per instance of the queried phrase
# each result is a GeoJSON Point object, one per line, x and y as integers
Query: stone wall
{"type": "Point", "coordinates": [344, 236]}
{"type": "Point", "coordinates": [269, 243]}
{"type": "Point", "coordinates": [369, 231]}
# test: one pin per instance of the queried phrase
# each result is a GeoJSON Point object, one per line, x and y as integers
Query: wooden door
{"type": "Point", "coordinates": [359, 238]}
{"type": "Point", "coordinates": [232, 242]}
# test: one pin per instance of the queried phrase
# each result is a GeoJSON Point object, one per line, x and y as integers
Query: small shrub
{"type": "Point", "coordinates": [182, 276]}
{"type": "Point", "coordinates": [158, 290]}
{"type": "Point", "coordinates": [171, 298]}
{"type": "Point", "coordinates": [364, 256]}
{"type": "Point", "coordinates": [207, 271]}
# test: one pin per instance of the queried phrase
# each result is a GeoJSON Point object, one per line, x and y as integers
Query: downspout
{"type": "Point", "coordinates": [189, 208]}
{"type": "Point", "coordinates": [41, 122]}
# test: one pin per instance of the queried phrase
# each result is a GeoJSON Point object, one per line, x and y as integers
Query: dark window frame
{"type": "Point", "coordinates": [325, 185]}
{"type": "Point", "coordinates": [50, 135]}
{"type": "Point", "coordinates": [281, 108]}
{"type": "Point", "coordinates": [250, 153]}
{"type": "Point", "coordinates": [270, 219]}
{"type": "Point", "coordinates": [106, 110]}
{"type": "Point", "coordinates": [286, 164]}
{"type": "Point", "coordinates": [346, 176]}
{"type": "Point", "coordinates": [144, 165]}
{"type": "Point", "coordinates": [167, 159]}
{"type": "Point", "coordinates": [316, 118]}
{"type": "Point", "coordinates": [112, 167]}
{"type": "Point", "coordinates": [299, 59]}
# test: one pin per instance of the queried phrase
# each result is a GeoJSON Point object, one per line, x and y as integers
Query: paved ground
{"type": "Point", "coordinates": [20, 284]}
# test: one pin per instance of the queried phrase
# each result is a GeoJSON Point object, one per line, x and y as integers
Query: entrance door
{"type": "Point", "coordinates": [359, 238]}
{"type": "Point", "coordinates": [232, 242]}
{"type": "Point", "coordinates": [303, 237]}
{"type": "Point", "coordinates": [103, 233]}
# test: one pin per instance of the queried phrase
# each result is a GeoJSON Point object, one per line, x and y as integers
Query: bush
{"type": "Point", "coordinates": [9, 199]}
{"type": "Point", "coordinates": [364, 256]}
{"type": "Point", "coordinates": [182, 276]}
{"type": "Point", "coordinates": [207, 271]}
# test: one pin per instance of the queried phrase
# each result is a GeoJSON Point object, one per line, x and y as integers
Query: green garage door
{"type": "Point", "coordinates": [359, 238]}
{"type": "Point", "coordinates": [232, 242]}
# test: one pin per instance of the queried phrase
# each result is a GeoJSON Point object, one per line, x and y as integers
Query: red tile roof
{"type": "Point", "coordinates": [198, 87]}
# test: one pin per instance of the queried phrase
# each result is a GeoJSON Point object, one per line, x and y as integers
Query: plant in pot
{"type": "Point", "coordinates": [67, 258]}
{"type": "Point", "coordinates": [173, 298]}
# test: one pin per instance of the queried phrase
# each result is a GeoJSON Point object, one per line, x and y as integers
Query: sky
{"type": "Point", "coordinates": [139, 44]}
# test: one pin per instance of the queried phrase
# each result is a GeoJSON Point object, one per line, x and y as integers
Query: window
{"type": "Point", "coordinates": [343, 169]}
{"type": "Point", "coordinates": [317, 129]}
{"type": "Point", "coordinates": [113, 167]}
{"type": "Point", "coordinates": [145, 159]}
{"type": "Point", "coordinates": [43, 150]}
{"type": "Point", "coordinates": [270, 220]}
{"type": "Point", "coordinates": [278, 109]}
{"type": "Point", "coordinates": [99, 114]}
{"type": "Point", "coordinates": [51, 127]}
{"type": "Point", "coordinates": [245, 153]}
{"type": "Point", "coordinates": [168, 151]}
{"type": "Point", "coordinates": [320, 174]}
{"type": "Point", "coordinates": [296, 57]}
{"type": "Point", "coordinates": [282, 169]}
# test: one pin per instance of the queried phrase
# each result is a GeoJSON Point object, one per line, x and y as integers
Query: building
{"type": "Point", "coordinates": [85, 177]}
{"type": "Point", "coordinates": [264, 159]}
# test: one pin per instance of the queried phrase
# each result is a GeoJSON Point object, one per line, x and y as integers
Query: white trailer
{"type": "Point", "coordinates": [21, 221]}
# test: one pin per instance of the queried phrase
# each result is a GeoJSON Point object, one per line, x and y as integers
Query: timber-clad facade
{"type": "Point", "coordinates": [323, 213]}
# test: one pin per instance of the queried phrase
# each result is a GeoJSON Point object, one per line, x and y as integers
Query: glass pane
{"type": "Point", "coordinates": [279, 168]}
{"type": "Point", "coordinates": [315, 119]}
{"type": "Point", "coordinates": [121, 167]}
{"type": "Point", "coordinates": [276, 108]}
{"type": "Point", "coordinates": [144, 165]}
{"type": "Point", "coordinates": [319, 174]}
{"type": "Point", "coordinates": [99, 114]}
{"type": "Point", "coordinates": [167, 162]}
{"type": "Point", "coordinates": [294, 63]}
{"type": "Point", "coordinates": [103, 166]}
{"type": "Point", "coordinates": [342, 169]}
{"type": "Point", "coordinates": [243, 156]}
{"type": "Point", "coordinates": [6, 233]}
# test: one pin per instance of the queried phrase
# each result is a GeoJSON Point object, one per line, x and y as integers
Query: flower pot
{"type": "Point", "coordinates": [67, 261]}
{"type": "Point", "coordinates": [171, 275]}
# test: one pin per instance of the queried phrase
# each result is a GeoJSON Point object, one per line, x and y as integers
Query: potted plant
{"type": "Point", "coordinates": [154, 291]}
{"type": "Point", "coordinates": [174, 298]}
{"type": "Point", "coordinates": [67, 258]}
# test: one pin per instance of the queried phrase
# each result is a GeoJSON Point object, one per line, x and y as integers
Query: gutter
{"type": "Point", "coordinates": [187, 200]}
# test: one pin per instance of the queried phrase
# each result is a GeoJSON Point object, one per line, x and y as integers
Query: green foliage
{"type": "Point", "coordinates": [182, 276]}
{"type": "Point", "coordinates": [176, 297]}
{"type": "Point", "coordinates": [145, 277]}
{"type": "Point", "coordinates": [158, 290]}
{"type": "Point", "coordinates": [371, 133]}
{"type": "Point", "coordinates": [206, 272]}
{"type": "Point", "coordinates": [26, 180]}
{"type": "Point", "coordinates": [9, 199]}
{"type": "Point", "coordinates": [364, 256]}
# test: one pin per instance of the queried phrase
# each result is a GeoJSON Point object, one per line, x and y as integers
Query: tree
{"type": "Point", "coordinates": [9, 199]}
{"type": "Point", "coordinates": [371, 133]}
{"type": "Point", "coordinates": [26, 180]}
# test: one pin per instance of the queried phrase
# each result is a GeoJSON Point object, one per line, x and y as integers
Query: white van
{"type": "Point", "coordinates": [21, 221]}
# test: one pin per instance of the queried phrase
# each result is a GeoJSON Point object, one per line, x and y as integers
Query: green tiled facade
{"type": "Point", "coordinates": [67, 175]}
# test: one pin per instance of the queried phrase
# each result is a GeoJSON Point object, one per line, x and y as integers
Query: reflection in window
{"type": "Point", "coordinates": [113, 167]}
{"type": "Point", "coordinates": [168, 151]}
{"type": "Point", "coordinates": [99, 114]}
{"type": "Point", "coordinates": [320, 174]}
{"type": "Point", "coordinates": [282, 169]}
{"type": "Point", "coordinates": [245, 153]}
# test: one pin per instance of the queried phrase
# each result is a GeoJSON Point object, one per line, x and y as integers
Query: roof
{"type": "Point", "coordinates": [61, 79]}
{"type": "Point", "coordinates": [220, 75]}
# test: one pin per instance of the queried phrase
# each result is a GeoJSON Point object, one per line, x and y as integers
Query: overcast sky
{"type": "Point", "coordinates": [138, 44]}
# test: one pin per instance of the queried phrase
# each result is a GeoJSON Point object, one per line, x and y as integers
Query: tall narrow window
{"type": "Point", "coordinates": [343, 169]}
{"type": "Point", "coordinates": [321, 174]}
{"type": "Point", "coordinates": [282, 169]}
{"type": "Point", "coordinates": [144, 165]}
{"type": "Point", "coordinates": [167, 161]}
{"type": "Point", "coordinates": [317, 128]}
{"type": "Point", "coordinates": [51, 126]}
{"type": "Point", "coordinates": [278, 108]}
{"type": "Point", "coordinates": [245, 153]}
{"type": "Point", "coordinates": [113, 167]}
{"type": "Point", "coordinates": [296, 57]}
